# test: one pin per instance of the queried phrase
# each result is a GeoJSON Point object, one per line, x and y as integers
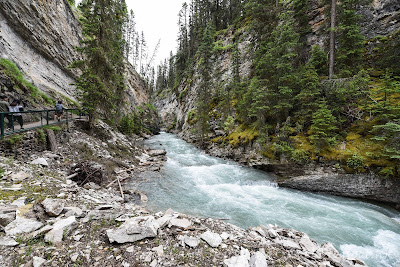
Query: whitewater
{"type": "Point", "coordinates": [195, 183]}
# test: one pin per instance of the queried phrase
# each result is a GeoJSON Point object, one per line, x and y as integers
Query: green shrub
{"type": "Point", "coordinates": [300, 156]}
{"type": "Point", "coordinates": [127, 125]}
{"type": "Point", "coordinates": [356, 162]}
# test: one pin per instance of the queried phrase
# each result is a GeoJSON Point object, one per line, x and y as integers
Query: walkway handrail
{"type": "Point", "coordinates": [44, 120]}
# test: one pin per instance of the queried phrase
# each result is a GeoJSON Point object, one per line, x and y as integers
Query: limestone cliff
{"type": "Point", "coordinates": [40, 36]}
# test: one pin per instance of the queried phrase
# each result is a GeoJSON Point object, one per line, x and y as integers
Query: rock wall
{"type": "Point", "coordinates": [40, 36]}
{"type": "Point", "coordinates": [359, 186]}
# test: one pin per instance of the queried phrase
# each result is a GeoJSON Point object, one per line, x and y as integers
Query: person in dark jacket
{"type": "Point", "coordinates": [16, 107]}
{"type": "Point", "coordinates": [59, 111]}
{"type": "Point", "coordinates": [4, 107]}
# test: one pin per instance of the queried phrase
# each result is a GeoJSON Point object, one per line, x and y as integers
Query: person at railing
{"type": "Point", "coordinates": [16, 107]}
{"type": "Point", "coordinates": [4, 108]}
{"type": "Point", "coordinates": [59, 110]}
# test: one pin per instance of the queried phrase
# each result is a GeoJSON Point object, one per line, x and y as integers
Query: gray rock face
{"type": "Point", "coordinates": [22, 226]}
{"type": "Point", "coordinates": [350, 185]}
{"type": "Point", "coordinates": [133, 230]}
{"type": "Point", "coordinates": [53, 207]}
{"type": "Point", "coordinates": [59, 229]}
{"type": "Point", "coordinates": [40, 37]}
{"type": "Point", "coordinates": [213, 239]}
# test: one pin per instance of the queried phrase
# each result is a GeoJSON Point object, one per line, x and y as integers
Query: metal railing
{"type": "Point", "coordinates": [44, 118]}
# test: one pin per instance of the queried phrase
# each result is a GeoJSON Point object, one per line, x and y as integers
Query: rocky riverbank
{"type": "Point", "coordinates": [50, 216]}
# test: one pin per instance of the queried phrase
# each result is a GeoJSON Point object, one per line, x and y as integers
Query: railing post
{"type": "Point", "coordinates": [12, 121]}
{"type": "Point", "coordinates": [67, 119]}
{"type": "Point", "coordinates": [2, 124]}
{"type": "Point", "coordinates": [47, 117]}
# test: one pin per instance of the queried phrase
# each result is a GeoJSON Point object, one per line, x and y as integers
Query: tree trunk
{"type": "Point", "coordinates": [332, 39]}
{"type": "Point", "coordinates": [52, 140]}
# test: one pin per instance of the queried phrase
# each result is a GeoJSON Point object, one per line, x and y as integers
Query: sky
{"type": "Point", "coordinates": [158, 19]}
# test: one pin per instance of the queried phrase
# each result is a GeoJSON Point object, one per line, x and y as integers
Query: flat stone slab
{"type": "Point", "coordinates": [59, 228]}
{"type": "Point", "coordinates": [8, 241]}
{"type": "Point", "coordinates": [40, 161]}
{"type": "Point", "coordinates": [306, 243]}
{"type": "Point", "coordinates": [22, 226]}
{"type": "Point", "coordinates": [180, 223]}
{"type": "Point", "coordinates": [133, 230]}
{"type": "Point", "coordinates": [19, 177]}
{"type": "Point", "coordinates": [213, 239]}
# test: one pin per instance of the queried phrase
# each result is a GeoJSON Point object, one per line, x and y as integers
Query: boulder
{"type": "Point", "coordinates": [155, 153]}
{"type": "Point", "coordinates": [59, 229]}
{"type": "Point", "coordinates": [239, 261]}
{"type": "Point", "coordinates": [191, 241]}
{"type": "Point", "coordinates": [133, 230]}
{"type": "Point", "coordinates": [40, 161]}
{"type": "Point", "coordinates": [307, 244]}
{"type": "Point", "coordinates": [213, 239]}
{"type": "Point", "coordinates": [272, 233]}
{"type": "Point", "coordinates": [163, 221]}
{"type": "Point", "coordinates": [288, 244]}
{"type": "Point", "coordinates": [53, 207]}
{"type": "Point", "coordinates": [258, 260]}
{"type": "Point", "coordinates": [73, 211]}
{"type": "Point", "coordinates": [22, 226]}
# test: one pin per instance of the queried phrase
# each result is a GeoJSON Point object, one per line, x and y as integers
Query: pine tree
{"type": "Point", "coordinates": [274, 67]}
{"type": "Point", "coordinates": [323, 127]}
{"type": "Point", "coordinates": [204, 90]}
{"type": "Point", "coordinates": [350, 48]}
{"type": "Point", "coordinates": [306, 100]}
{"type": "Point", "coordinates": [102, 81]}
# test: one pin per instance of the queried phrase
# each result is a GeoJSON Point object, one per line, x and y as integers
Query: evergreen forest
{"type": "Point", "coordinates": [333, 100]}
